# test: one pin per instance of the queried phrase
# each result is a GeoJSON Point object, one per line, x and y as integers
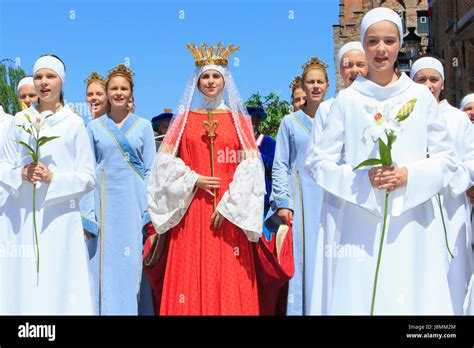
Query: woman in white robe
{"type": "Point", "coordinates": [467, 105]}
{"type": "Point", "coordinates": [63, 174]}
{"type": "Point", "coordinates": [351, 63]}
{"type": "Point", "coordinates": [5, 122]}
{"type": "Point", "coordinates": [456, 206]}
{"type": "Point", "coordinates": [412, 277]}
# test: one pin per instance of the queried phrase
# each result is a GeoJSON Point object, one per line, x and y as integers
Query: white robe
{"type": "Point", "coordinates": [329, 214]}
{"type": "Point", "coordinates": [64, 286]}
{"type": "Point", "coordinates": [5, 122]}
{"type": "Point", "coordinates": [413, 274]}
{"type": "Point", "coordinates": [456, 205]}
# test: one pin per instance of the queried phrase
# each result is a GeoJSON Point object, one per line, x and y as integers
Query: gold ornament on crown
{"type": "Point", "coordinates": [123, 70]}
{"type": "Point", "coordinates": [212, 55]}
{"type": "Point", "coordinates": [295, 83]}
{"type": "Point", "coordinates": [93, 78]}
{"type": "Point", "coordinates": [314, 63]}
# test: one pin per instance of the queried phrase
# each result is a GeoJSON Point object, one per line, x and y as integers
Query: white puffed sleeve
{"type": "Point", "coordinates": [464, 145]}
{"type": "Point", "coordinates": [170, 190]}
{"type": "Point", "coordinates": [242, 203]}
{"type": "Point", "coordinates": [429, 176]}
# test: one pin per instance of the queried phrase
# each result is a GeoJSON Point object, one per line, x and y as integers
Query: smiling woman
{"type": "Point", "coordinates": [211, 83]}
{"type": "Point", "coordinates": [205, 207]}
{"type": "Point", "coordinates": [96, 95]}
{"type": "Point", "coordinates": [124, 149]}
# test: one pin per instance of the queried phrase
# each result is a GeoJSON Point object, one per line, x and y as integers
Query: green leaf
{"type": "Point", "coordinates": [27, 130]}
{"type": "Point", "coordinates": [25, 145]}
{"type": "Point", "coordinates": [369, 162]}
{"type": "Point", "coordinates": [34, 156]}
{"type": "Point", "coordinates": [27, 117]}
{"type": "Point", "coordinates": [406, 110]}
{"type": "Point", "coordinates": [385, 154]}
{"type": "Point", "coordinates": [44, 140]}
{"type": "Point", "coordinates": [391, 137]}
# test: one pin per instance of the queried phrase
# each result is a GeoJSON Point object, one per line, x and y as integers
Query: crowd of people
{"type": "Point", "coordinates": [361, 205]}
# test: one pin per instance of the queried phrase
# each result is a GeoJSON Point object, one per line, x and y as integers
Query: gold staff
{"type": "Point", "coordinates": [210, 126]}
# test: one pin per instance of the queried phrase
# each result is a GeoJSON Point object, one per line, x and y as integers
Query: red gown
{"type": "Point", "coordinates": [208, 271]}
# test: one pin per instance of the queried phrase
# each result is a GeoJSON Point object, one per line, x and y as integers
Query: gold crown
{"type": "Point", "coordinates": [94, 77]}
{"type": "Point", "coordinates": [213, 55]}
{"type": "Point", "coordinates": [314, 63]}
{"type": "Point", "coordinates": [121, 69]}
{"type": "Point", "coordinates": [168, 111]}
{"type": "Point", "coordinates": [296, 82]}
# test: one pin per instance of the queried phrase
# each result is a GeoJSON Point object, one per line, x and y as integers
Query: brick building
{"type": "Point", "coordinates": [415, 18]}
{"type": "Point", "coordinates": [452, 33]}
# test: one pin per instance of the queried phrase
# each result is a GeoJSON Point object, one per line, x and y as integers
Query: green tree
{"type": "Point", "coordinates": [275, 109]}
{"type": "Point", "coordinates": [10, 75]}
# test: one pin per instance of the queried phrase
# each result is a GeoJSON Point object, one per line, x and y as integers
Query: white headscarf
{"type": "Point", "coordinates": [53, 63]}
{"type": "Point", "coordinates": [25, 81]}
{"type": "Point", "coordinates": [427, 63]}
{"type": "Point", "coordinates": [353, 45]}
{"type": "Point", "coordinates": [217, 102]}
{"type": "Point", "coordinates": [468, 99]}
{"type": "Point", "coordinates": [381, 14]}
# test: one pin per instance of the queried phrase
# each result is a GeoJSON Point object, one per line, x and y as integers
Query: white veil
{"type": "Point", "coordinates": [171, 185]}
{"type": "Point", "coordinates": [193, 99]}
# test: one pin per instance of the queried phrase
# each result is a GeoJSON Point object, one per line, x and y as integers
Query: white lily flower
{"type": "Point", "coordinates": [382, 122]}
{"type": "Point", "coordinates": [36, 123]}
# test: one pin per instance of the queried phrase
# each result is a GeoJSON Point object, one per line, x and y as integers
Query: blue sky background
{"type": "Point", "coordinates": [151, 35]}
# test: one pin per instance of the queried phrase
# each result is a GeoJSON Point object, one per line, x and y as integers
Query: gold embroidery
{"type": "Point", "coordinates": [301, 123]}
{"type": "Point", "coordinates": [120, 148]}
{"type": "Point", "coordinates": [133, 125]}
{"type": "Point", "coordinates": [210, 126]}
{"type": "Point", "coordinates": [102, 206]}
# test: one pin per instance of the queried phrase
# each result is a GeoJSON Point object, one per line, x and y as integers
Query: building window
{"type": "Point", "coordinates": [423, 22]}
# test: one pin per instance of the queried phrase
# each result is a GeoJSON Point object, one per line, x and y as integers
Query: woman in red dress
{"type": "Point", "coordinates": [205, 198]}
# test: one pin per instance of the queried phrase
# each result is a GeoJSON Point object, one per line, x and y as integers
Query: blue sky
{"type": "Point", "coordinates": [275, 36]}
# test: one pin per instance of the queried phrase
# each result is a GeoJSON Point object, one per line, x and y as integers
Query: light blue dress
{"type": "Point", "coordinates": [124, 158]}
{"type": "Point", "coordinates": [294, 189]}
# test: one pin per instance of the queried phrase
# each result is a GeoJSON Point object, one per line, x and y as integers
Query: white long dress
{"type": "Point", "coordinates": [413, 274]}
{"type": "Point", "coordinates": [322, 277]}
{"type": "Point", "coordinates": [5, 122]}
{"type": "Point", "coordinates": [63, 286]}
{"type": "Point", "coordinates": [456, 205]}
